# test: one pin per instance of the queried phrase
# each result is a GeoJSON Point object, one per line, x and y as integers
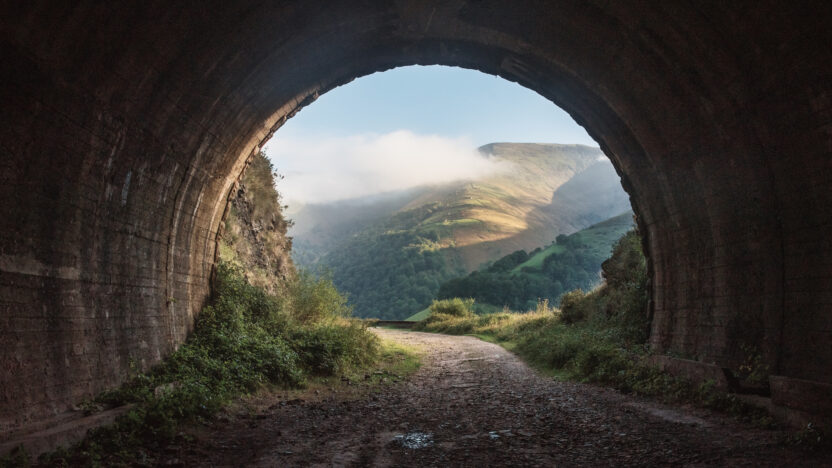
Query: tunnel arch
{"type": "Point", "coordinates": [126, 126]}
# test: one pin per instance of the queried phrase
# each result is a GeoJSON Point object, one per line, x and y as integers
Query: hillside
{"type": "Point", "coordinates": [521, 208]}
{"type": "Point", "coordinates": [392, 252]}
{"type": "Point", "coordinates": [519, 279]}
{"type": "Point", "coordinates": [319, 228]}
{"type": "Point", "coordinates": [595, 240]}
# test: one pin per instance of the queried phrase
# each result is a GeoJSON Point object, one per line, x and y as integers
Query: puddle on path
{"type": "Point", "coordinates": [415, 440]}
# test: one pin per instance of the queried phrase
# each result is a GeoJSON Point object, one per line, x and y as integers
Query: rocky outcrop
{"type": "Point", "coordinates": [254, 234]}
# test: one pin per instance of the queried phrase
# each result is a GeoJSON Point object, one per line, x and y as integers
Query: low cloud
{"type": "Point", "coordinates": [328, 169]}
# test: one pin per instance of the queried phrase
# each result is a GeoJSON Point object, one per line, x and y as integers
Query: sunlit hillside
{"type": "Point", "coordinates": [390, 253]}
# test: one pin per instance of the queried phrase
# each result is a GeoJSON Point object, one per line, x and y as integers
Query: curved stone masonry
{"type": "Point", "coordinates": [124, 126]}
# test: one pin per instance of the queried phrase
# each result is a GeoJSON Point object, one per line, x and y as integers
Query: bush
{"type": "Point", "coordinates": [333, 348]}
{"type": "Point", "coordinates": [620, 304]}
{"type": "Point", "coordinates": [315, 299]}
{"type": "Point", "coordinates": [455, 307]}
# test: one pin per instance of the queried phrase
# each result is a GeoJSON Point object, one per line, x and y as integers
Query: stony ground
{"type": "Point", "coordinates": [474, 404]}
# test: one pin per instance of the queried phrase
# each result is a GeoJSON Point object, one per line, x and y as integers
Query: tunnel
{"type": "Point", "coordinates": [125, 127]}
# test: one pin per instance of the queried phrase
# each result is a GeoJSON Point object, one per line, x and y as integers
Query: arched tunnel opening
{"type": "Point", "coordinates": [440, 182]}
{"type": "Point", "coordinates": [126, 126]}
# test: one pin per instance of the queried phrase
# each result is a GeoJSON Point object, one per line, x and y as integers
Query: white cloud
{"type": "Point", "coordinates": [335, 168]}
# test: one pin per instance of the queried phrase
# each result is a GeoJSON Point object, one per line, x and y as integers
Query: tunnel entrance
{"type": "Point", "coordinates": [125, 128]}
{"type": "Point", "coordinates": [435, 192]}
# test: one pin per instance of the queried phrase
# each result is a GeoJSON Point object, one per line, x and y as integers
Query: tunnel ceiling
{"type": "Point", "coordinates": [126, 124]}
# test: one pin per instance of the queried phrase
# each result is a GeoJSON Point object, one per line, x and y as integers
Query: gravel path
{"type": "Point", "coordinates": [474, 404]}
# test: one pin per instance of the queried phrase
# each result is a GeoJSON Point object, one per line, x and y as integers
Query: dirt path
{"type": "Point", "coordinates": [478, 405]}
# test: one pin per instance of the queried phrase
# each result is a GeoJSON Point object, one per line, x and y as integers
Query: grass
{"type": "Point", "coordinates": [418, 316]}
{"type": "Point", "coordinates": [537, 260]}
{"type": "Point", "coordinates": [399, 360]}
{"type": "Point", "coordinates": [479, 309]}
{"type": "Point", "coordinates": [597, 239]}
{"type": "Point", "coordinates": [246, 341]}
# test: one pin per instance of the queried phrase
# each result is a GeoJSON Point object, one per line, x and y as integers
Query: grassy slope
{"type": "Point", "coordinates": [506, 211]}
{"type": "Point", "coordinates": [480, 309]}
{"type": "Point", "coordinates": [418, 316]}
{"type": "Point", "coordinates": [469, 223]}
{"type": "Point", "coordinates": [483, 219]}
{"type": "Point", "coordinates": [597, 238]}
{"type": "Point", "coordinates": [537, 260]}
{"type": "Point", "coordinates": [519, 281]}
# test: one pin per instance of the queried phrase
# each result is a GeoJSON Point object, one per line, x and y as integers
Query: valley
{"type": "Point", "coordinates": [391, 253]}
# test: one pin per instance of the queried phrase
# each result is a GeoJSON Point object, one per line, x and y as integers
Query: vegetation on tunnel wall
{"type": "Point", "coordinates": [266, 326]}
{"type": "Point", "coordinates": [245, 340]}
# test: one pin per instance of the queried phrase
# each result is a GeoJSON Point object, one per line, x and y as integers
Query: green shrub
{"type": "Point", "coordinates": [626, 291]}
{"type": "Point", "coordinates": [627, 266]}
{"type": "Point", "coordinates": [332, 348]}
{"type": "Point", "coordinates": [315, 299]}
{"type": "Point", "coordinates": [454, 307]}
{"type": "Point", "coordinates": [572, 306]}
{"type": "Point", "coordinates": [619, 306]}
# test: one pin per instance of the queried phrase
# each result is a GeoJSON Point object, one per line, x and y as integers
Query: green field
{"type": "Point", "coordinates": [596, 240]}
{"type": "Point", "coordinates": [537, 260]}
{"type": "Point", "coordinates": [419, 316]}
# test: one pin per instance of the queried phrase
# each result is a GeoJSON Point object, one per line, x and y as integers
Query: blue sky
{"type": "Point", "coordinates": [406, 127]}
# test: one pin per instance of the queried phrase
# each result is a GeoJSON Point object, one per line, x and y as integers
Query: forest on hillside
{"type": "Point", "coordinates": [520, 280]}
{"type": "Point", "coordinates": [390, 253]}
{"type": "Point", "coordinates": [390, 273]}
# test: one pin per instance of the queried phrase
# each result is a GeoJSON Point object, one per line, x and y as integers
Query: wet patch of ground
{"type": "Point", "coordinates": [474, 404]}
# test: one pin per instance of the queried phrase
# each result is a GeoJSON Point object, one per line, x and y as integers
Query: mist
{"type": "Point", "coordinates": [319, 170]}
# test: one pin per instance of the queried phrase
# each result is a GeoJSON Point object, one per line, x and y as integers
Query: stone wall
{"type": "Point", "coordinates": [125, 124]}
